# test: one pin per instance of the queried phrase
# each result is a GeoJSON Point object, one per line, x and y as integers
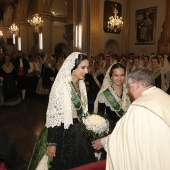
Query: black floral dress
{"type": "Point", "coordinates": [73, 149]}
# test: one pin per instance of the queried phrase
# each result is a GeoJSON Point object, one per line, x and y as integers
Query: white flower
{"type": "Point", "coordinates": [97, 124]}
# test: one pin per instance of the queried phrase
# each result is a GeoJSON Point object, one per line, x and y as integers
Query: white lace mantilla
{"type": "Point", "coordinates": [60, 108]}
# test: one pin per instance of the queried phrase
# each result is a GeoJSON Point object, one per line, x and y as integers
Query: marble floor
{"type": "Point", "coordinates": [23, 124]}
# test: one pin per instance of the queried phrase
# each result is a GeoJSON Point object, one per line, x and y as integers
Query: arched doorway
{"type": "Point", "coordinates": [111, 46]}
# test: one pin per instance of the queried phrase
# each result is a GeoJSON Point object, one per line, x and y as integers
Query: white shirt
{"type": "Point", "coordinates": [33, 67]}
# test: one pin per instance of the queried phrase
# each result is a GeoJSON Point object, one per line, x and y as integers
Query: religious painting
{"type": "Point", "coordinates": [145, 25]}
{"type": "Point", "coordinates": [109, 6]}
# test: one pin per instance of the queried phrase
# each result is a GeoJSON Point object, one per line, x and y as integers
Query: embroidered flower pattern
{"type": "Point", "coordinates": [110, 98]}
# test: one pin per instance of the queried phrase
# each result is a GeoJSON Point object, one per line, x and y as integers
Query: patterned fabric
{"type": "Point", "coordinates": [70, 146]}
{"type": "Point", "coordinates": [73, 149]}
{"type": "Point", "coordinates": [40, 89]}
{"type": "Point", "coordinates": [39, 150]}
{"type": "Point", "coordinates": [11, 93]}
{"type": "Point", "coordinates": [60, 108]}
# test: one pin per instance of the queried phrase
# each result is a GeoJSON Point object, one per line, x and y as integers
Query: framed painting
{"type": "Point", "coordinates": [145, 25]}
{"type": "Point", "coordinates": [109, 6]}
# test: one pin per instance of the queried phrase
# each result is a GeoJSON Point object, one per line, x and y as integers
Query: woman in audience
{"type": "Point", "coordinates": [136, 63]}
{"type": "Point", "coordinates": [32, 76]}
{"type": "Point", "coordinates": [48, 74]}
{"type": "Point", "coordinates": [94, 81]}
{"type": "Point", "coordinates": [146, 63]}
{"type": "Point", "coordinates": [158, 73]}
{"type": "Point", "coordinates": [48, 71]}
{"type": "Point", "coordinates": [107, 64]}
{"type": "Point", "coordinates": [11, 93]}
{"type": "Point", "coordinates": [39, 62]}
{"type": "Point", "coordinates": [59, 62]}
{"type": "Point", "coordinates": [163, 63]}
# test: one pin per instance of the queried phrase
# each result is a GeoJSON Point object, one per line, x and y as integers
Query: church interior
{"type": "Point", "coordinates": [66, 26]}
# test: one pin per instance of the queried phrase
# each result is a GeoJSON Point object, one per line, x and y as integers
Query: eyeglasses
{"type": "Point", "coordinates": [129, 84]}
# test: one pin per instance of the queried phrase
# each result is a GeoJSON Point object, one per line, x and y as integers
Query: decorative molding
{"type": "Point", "coordinates": [60, 18]}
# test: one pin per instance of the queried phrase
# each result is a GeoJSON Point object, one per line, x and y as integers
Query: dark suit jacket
{"type": "Point", "coordinates": [26, 65]}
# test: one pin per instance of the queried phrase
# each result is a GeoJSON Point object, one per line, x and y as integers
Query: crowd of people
{"type": "Point", "coordinates": [34, 74]}
{"type": "Point", "coordinates": [99, 65]}
{"type": "Point", "coordinates": [23, 76]}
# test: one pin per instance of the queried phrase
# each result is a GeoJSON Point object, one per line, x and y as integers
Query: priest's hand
{"type": "Point", "coordinates": [97, 144]}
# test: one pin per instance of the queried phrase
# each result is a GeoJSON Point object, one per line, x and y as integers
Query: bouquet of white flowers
{"type": "Point", "coordinates": [95, 126]}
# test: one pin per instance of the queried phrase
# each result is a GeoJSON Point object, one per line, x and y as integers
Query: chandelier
{"type": "Point", "coordinates": [1, 33]}
{"type": "Point", "coordinates": [115, 23]}
{"type": "Point", "coordinates": [36, 21]}
{"type": "Point", "coordinates": [13, 28]}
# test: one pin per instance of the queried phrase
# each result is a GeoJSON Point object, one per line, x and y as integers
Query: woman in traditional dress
{"type": "Point", "coordinates": [11, 92]}
{"type": "Point", "coordinates": [66, 146]}
{"type": "Point", "coordinates": [158, 73]}
{"type": "Point", "coordinates": [48, 71]}
{"type": "Point", "coordinates": [113, 99]}
{"type": "Point", "coordinates": [94, 81]}
{"type": "Point", "coordinates": [48, 74]}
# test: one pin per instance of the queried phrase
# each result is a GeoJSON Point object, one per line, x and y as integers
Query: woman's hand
{"type": "Point", "coordinates": [97, 144]}
{"type": "Point", "coordinates": [51, 150]}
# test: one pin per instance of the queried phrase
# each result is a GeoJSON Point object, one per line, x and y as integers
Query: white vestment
{"type": "Point", "coordinates": [141, 138]}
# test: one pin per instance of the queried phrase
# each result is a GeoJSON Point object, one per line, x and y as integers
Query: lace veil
{"type": "Point", "coordinates": [60, 108]}
{"type": "Point", "coordinates": [105, 85]}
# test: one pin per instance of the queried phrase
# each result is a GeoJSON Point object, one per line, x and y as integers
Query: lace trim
{"type": "Point", "coordinates": [9, 68]}
{"type": "Point", "coordinates": [125, 98]}
{"type": "Point", "coordinates": [60, 108]}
